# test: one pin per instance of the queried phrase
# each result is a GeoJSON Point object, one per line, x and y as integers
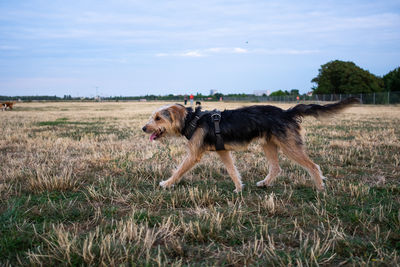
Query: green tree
{"type": "Point", "coordinates": [392, 80]}
{"type": "Point", "coordinates": [279, 93]}
{"type": "Point", "coordinates": [218, 95]}
{"type": "Point", "coordinates": [341, 77]}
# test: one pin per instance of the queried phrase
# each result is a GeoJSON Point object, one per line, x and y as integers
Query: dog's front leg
{"type": "Point", "coordinates": [189, 161]}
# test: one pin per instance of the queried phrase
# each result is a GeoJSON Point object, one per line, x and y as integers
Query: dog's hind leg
{"type": "Point", "coordinates": [226, 158]}
{"type": "Point", "coordinates": [189, 161]}
{"type": "Point", "coordinates": [271, 152]}
{"type": "Point", "coordinates": [296, 152]}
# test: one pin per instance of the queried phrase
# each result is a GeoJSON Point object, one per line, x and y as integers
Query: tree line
{"type": "Point", "coordinates": [334, 77]}
{"type": "Point", "coordinates": [169, 97]}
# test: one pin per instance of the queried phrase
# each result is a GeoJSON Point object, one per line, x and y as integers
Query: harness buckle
{"type": "Point", "coordinates": [216, 116]}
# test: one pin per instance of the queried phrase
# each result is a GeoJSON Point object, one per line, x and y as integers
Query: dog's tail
{"type": "Point", "coordinates": [302, 110]}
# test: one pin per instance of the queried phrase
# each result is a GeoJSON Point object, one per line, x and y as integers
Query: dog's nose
{"type": "Point", "coordinates": [144, 128]}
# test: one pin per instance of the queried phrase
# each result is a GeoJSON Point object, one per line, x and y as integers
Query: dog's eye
{"type": "Point", "coordinates": [158, 118]}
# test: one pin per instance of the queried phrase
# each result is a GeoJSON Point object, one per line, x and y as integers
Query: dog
{"type": "Point", "coordinates": [274, 127]}
{"type": "Point", "coordinates": [6, 105]}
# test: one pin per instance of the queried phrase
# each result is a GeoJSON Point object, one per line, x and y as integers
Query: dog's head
{"type": "Point", "coordinates": [168, 120]}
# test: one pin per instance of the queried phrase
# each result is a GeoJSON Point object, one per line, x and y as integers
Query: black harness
{"type": "Point", "coordinates": [191, 125]}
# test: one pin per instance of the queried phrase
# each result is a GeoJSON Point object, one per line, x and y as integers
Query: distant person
{"type": "Point", "coordinates": [191, 99]}
{"type": "Point", "coordinates": [185, 100]}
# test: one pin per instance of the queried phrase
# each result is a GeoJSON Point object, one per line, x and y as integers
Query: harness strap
{"type": "Point", "coordinates": [219, 142]}
{"type": "Point", "coordinates": [191, 127]}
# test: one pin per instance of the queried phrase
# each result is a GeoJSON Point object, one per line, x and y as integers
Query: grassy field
{"type": "Point", "coordinates": [79, 186]}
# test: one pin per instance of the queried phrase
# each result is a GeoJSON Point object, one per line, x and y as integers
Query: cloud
{"type": "Point", "coordinates": [226, 50]}
{"type": "Point", "coordinates": [195, 53]}
{"type": "Point", "coordinates": [205, 52]}
{"type": "Point", "coordinates": [228, 24]}
{"type": "Point", "coordinates": [238, 50]}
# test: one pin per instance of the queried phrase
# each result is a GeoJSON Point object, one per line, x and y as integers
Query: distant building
{"type": "Point", "coordinates": [309, 93]}
{"type": "Point", "coordinates": [262, 92]}
{"type": "Point", "coordinates": [213, 91]}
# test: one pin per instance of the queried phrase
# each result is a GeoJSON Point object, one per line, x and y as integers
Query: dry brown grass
{"type": "Point", "coordinates": [79, 186]}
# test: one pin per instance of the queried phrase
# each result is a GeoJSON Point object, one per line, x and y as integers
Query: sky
{"type": "Point", "coordinates": [130, 48]}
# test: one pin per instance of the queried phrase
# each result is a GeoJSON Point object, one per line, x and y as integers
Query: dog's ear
{"type": "Point", "coordinates": [166, 114]}
{"type": "Point", "coordinates": [177, 112]}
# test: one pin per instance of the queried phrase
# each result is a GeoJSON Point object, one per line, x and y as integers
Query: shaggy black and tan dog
{"type": "Point", "coordinates": [276, 128]}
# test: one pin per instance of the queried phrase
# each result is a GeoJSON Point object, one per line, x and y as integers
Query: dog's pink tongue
{"type": "Point", "coordinates": [152, 136]}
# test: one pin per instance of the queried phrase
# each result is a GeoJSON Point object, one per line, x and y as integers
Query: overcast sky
{"type": "Point", "coordinates": [124, 47]}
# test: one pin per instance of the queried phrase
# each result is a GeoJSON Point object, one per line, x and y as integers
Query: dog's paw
{"type": "Point", "coordinates": [263, 183]}
{"type": "Point", "coordinates": [238, 190]}
{"type": "Point", "coordinates": [321, 187]}
{"type": "Point", "coordinates": [165, 184]}
{"type": "Point", "coordinates": [260, 183]}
